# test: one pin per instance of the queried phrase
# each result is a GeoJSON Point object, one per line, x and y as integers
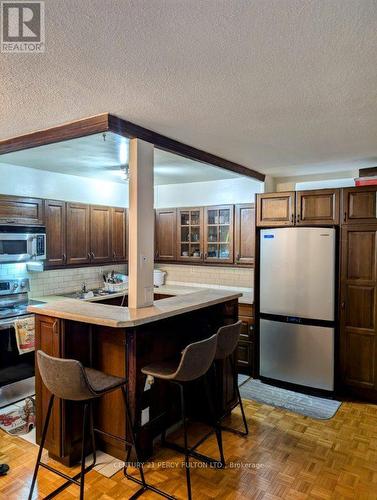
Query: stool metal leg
{"type": "Point", "coordinates": [215, 424]}
{"type": "Point", "coordinates": [187, 455]}
{"type": "Point", "coordinates": [237, 390]}
{"type": "Point", "coordinates": [84, 426]}
{"type": "Point", "coordinates": [43, 439]}
{"type": "Point", "coordinates": [145, 486]}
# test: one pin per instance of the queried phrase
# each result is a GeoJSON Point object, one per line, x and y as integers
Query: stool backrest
{"type": "Point", "coordinates": [65, 378]}
{"type": "Point", "coordinates": [227, 339]}
{"type": "Point", "coordinates": [196, 359]}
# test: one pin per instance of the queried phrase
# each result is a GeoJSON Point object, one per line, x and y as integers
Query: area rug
{"type": "Point", "coordinates": [310, 406]}
{"type": "Point", "coordinates": [18, 419]}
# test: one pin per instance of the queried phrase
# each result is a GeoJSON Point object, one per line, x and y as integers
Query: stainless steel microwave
{"type": "Point", "coordinates": [22, 244]}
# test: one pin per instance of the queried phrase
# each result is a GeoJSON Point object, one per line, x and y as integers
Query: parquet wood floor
{"type": "Point", "coordinates": [286, 456]}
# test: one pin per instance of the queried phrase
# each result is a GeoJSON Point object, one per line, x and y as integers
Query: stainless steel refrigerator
{"type": "Point", "coordinates": [297, 306]}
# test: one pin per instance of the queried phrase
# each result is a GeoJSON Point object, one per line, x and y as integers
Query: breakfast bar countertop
{"type": "Point", "coordinates": [123, 317]}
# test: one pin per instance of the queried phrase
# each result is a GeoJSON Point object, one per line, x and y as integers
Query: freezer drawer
{"type": "Point", "coordinates": [297, 272]}
{"type": "Point", "coordinates": [299, 354]}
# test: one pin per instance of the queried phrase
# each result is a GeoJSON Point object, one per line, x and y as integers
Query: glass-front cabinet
{"type": "Point", "coordinates": [190, 234]}
{"type": "Point", "coordinates": [218, 234]}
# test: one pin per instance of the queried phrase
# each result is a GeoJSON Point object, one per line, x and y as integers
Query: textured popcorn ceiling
{"type": "Point", "coordinates": [277, 85]}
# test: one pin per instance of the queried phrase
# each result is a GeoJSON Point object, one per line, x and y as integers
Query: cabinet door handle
{"type": "Point", "coordinates": [93, 256]}
{"type": "Point", "coordinates": [238, 257]}
{"type": "Point", "coordinates": [292, 218]}
{"type": "Point", "coordinates": [114, 255]}
{"type": "Point", "coordinates": [345, 216]}
{"type": "Point", "coordinates": [64, 257]}
{"type": "Point", "coordinates": [89, 255]}
{"type": "Point", "coordinates": [343, 305]}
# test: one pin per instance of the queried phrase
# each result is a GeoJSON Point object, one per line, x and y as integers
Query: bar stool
{"type": "Point", "coordinates": [194, 363]}
{"type": "Point", "coordinates": [67, 379]}
{"type": "Point", "coordinates": [227, 342]}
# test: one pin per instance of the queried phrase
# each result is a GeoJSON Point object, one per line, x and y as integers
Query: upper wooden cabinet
{"type": "Point", "coordinates": [302, 208]}
{"type": "Point", "coordinates": [244, 234]}
{"type": "Point", "coordinates": [55, 216]}
{"type": "Point", "coordinates": [218, 234]}
{"type": "Point", "coordinates": [166, 234]}
{"type": "Point", "coordinates": [190, 234]}
{"type": "Point", "coordinates": [119, 232]}
{"type": "Point", "coordinates": [78, 234]}
{"type": "Point", "coordinates": [317, 208]}
{"type": "Point", "coordinates": [21, 210]}
{"type": "Point", "coordinates": [360, 205]}
{"type": "Point", "coordinates": [100, 237]}
{"type": "Point", "coordinates": [275, 209]}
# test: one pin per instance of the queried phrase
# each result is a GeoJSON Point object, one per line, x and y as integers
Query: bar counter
{"type": "Point", "coordinates": [120, 341]}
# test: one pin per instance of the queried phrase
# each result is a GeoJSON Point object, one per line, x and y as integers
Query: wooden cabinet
{"type": "Point", "coordinates": [360, 205]}
{"type": "Point", "coordinates": [211, 235]}
{"type": "Point", "coordinates": [317, 207]}
{"type": "Point", "coordinates": [275, 209]}
{"type": "Point", "coordinates": [78, 234]}
{"type": "Point", "coordinates": [55, 217]}
{"type": "Point", "coordinates": [166, 234]}
{"type": "Point", "coordinates": [119, 234]}
{"type": "Point", "coordinates": [190, 234]}
{"type": "Point", "coordinates": [302, 208]}
{"type": "Point", "coordinates": [244, 234]}
{"type": "Point", "coordinates": [21, 210]}
{"type": "Point", "coordinates": [358, 329]}
{"type": "Point", "coordinates": [246, 350]}
{"type": "Point", "coordinates": [218, 234]}
{"type": "Point", "coordinates": [48, 340]}
{"type": "Point", "coordinates": [100, 237]}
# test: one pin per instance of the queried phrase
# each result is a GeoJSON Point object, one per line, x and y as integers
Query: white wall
{"type": "Point", "coordinates": [23, 181]}
{"type": "Point", "coordinates": [239, 190]}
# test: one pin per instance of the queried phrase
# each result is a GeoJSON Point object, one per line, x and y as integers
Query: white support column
{"type": "Point", "coordinates": [141, 224]}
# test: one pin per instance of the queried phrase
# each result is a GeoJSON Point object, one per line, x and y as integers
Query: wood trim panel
{"type": "Point", "coordinates": [72, 130]}
{"type": "Point", "coordinates": [128, 129]}
{"type": "Point", "coordinates": [104, 122]}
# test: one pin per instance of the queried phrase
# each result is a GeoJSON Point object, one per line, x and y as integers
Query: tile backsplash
{"type": "Point", "coordinates": [60, 280]}
{"type": "Point", "coordinates": [210, 275]}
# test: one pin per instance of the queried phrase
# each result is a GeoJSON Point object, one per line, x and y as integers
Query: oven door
{"type": "Point", "coordinates": [17, 379]}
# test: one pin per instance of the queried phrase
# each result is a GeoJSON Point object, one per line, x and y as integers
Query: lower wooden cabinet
{"type": "Point", "coordinates": [246, 346]}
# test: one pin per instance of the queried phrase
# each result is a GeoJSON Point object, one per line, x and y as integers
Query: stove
{"type": "Point", "coordinates": [14, 298]}
{"type": "Point", "coordinates": [17, 379]}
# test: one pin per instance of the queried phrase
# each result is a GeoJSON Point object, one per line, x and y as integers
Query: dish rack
{"type": "Point", "coordinates": [120, 285]}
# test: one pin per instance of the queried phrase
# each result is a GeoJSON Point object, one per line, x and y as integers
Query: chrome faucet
{"type": "Point", "coordinates": [83, 287]}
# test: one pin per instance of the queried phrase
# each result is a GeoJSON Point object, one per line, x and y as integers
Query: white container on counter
{"type": "Point", "coordinates": [158, 277]}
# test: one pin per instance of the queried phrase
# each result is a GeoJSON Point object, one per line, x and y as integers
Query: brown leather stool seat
{"type": "Point", "coordinates": [69, 380]}
{"type": "Point", "coordinates": [194, 363]}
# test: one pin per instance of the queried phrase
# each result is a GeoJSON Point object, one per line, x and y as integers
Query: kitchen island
{"type": "Point", "coordinates": [120, 341]}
